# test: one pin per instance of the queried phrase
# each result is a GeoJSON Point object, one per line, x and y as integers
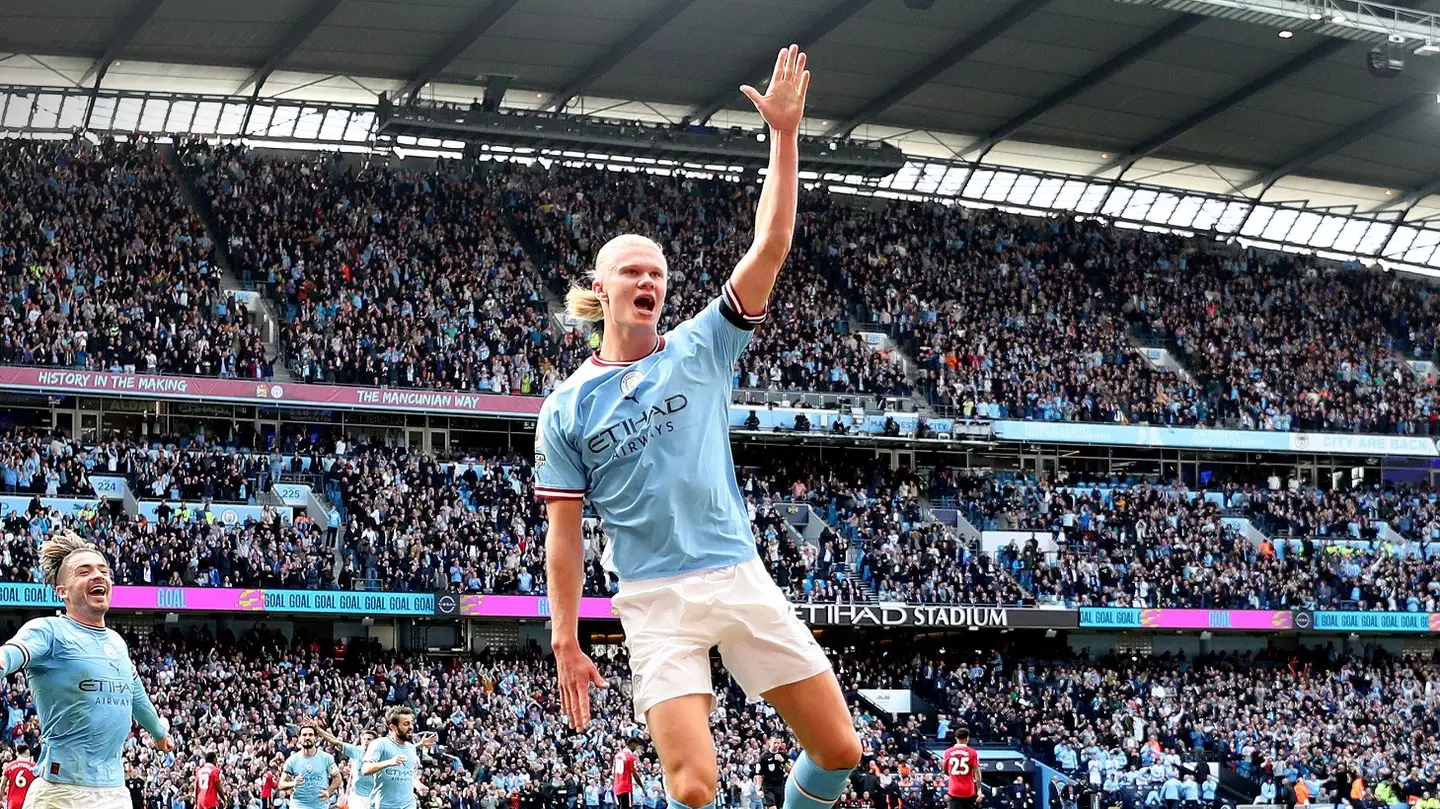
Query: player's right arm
{"type": "Point", "coordinates": [783, 107]}
{"type": "Point", "coordinates": [30, 645]}
{"type": "Point", "coordinates": [560, 480]}
{"type": "Point", "coordinates": [373, 763]}
{"type": "Point", "coordinates": [289, 778]}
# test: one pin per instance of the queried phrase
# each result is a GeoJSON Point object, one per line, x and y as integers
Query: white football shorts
{"type": "Point", "coordinates": [671, 624]}
{"type": "Point", "coordinates": [46, 795]}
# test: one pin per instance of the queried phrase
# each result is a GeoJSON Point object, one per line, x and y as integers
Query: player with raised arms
{"type": "Point", "coordinates": [361, 786]}
{"type": "Point", "coordinates": [642, 431]}
{"type": "Point", "coordinates": [86, 690]}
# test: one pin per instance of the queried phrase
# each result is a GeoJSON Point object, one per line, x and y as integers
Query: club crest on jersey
{"type": "Point", "coordinates": [629, 382]}
{"type": "Point", "coordinates": [110, 650]}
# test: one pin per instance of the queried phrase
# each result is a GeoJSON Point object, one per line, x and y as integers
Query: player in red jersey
{"type": "Point", "coordinates": [624, 787]}
{"type": "Point", "coordinates": [207, 784]}
{"type": "Point", "coordinates": [18, 775]}
{"type": "Point", "coordinates": [962, 766]}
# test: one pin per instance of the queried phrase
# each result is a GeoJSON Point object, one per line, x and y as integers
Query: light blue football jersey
{"type": "Point", "coordinates": [395, 785]}
{"type": "Point", "coordinates": [648, 442]}
{"type": "Point", "coordinates": [86, 692]}
{"type": "Point", "coordinates": [361, 785]}
{"type": "Point", "coordinates": [317, 770]}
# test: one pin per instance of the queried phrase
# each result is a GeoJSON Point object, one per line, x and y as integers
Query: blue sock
{"type": "Point", "coordinates": [671, 803]}
{"type": "Point", "coordinates": [810, 787]}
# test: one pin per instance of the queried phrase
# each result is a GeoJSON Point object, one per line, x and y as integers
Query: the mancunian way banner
{"type": "Point", "coordinates": [48, 380]}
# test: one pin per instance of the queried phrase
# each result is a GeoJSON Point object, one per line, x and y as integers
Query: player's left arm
{"type": "Point", "coordinates": [143, 711]}
{"type": "Point", "coordinates": [335, 783]}
{"type": "Point", "coordinates": [782, 106]}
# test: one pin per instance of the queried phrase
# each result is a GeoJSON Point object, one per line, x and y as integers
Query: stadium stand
{"type": "Point", "coordinates": [445, 278]}
{"type": "Point", "coordinates": [411, 523]}
{"type": "Point", "coordinates": [387, 276]}
{"type": "Point", "coordinates": [105, 268]}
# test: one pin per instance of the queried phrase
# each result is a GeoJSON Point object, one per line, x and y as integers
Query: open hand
{"type": "Point", "coordinates": [783, 104]}
{"type": "Point", "coordinates": [576, 673]}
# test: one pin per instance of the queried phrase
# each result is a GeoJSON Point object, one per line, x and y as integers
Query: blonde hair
{"type": "Point", "coordinates": [57, 549]}
{"type": "Point", "coordinates": [582, 303]}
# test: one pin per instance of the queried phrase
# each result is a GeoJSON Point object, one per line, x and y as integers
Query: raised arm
{"type": "Point", "coordinates": [565, 573]}
{"type": "Point", "coordinates": [783, 107]}
{"type": "Point", "coordinates": [324, 734]}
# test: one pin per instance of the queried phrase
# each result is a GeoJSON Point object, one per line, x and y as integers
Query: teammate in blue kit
{"type": "Point", "coordinates": [394, 760]}
{"type": "Point", "coordinates": [311, 773]}
{"type": "Point", "coordinates": [86, 689]}
{"type": "Point", "coordinates": [642, 431]}
{"type": "Point", "coordinates": [360, 785]}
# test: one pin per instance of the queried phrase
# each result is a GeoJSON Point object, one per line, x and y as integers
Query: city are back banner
{"type": "Point", "coordinates": [1057, 432]}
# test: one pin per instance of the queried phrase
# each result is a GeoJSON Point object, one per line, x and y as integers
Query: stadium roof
{"type": "Point", "coordinates": [1111, 80]}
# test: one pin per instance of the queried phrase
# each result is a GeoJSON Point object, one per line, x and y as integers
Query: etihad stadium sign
{"type": "Point", "coordinates": [936, 615]}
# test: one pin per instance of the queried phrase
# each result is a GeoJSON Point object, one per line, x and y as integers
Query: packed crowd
{"type": "Point", "coordinates": [414, 523]}
{"type": "Point", "coordinates": [877, 542]}
{"type": "Point", "coordinates": [386, 275]}
{"type": "Point", "coordinates": [1279, 343]}
{"type": "Point", "coordinates": [443, 277]}
{"type": "Point", "coordinates": [1162, 546]}
{"type": "Point", "coordinates": [104, 268]}
{"type": "Point", "coordinates": [181, 546]}
{"type": "Point", "coordinates": [1000, 315]}
{"type": "Point", "coordinates": [1124, 726]}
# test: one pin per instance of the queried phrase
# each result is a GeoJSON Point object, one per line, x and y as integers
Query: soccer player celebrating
{"type": "Point", "coordinates": [18, 776]}
{"type": "Point", "coordinates": [86, 689]}
{"type": "Point", "coordinates": [962, 768]}
{"type": "Point", "coordinates": [642, 430]}
{"type": "Point", "coordinates": [394, 760]}
{"type": "Point", "coordinates": [361, 786]}
{"type": "Point", "coordinates": [311, 773]}
{"type": "Point", "coordinates": [208, 789]}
